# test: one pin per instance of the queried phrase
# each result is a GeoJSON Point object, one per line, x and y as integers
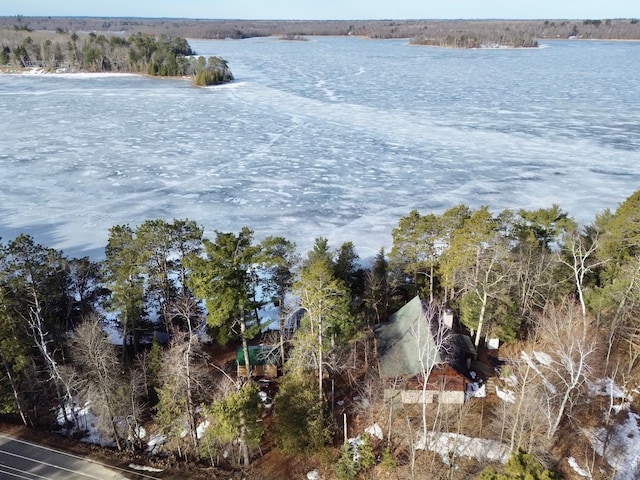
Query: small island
{"type": "Point", "coordinates": [473, 39]}
{"type": "Point", "coordinates": [143, 53]}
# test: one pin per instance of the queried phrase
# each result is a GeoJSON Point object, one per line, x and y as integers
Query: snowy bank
{"type": "Point", "coordinates": [449, 445]}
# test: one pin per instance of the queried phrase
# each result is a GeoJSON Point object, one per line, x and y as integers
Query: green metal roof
{"type": "Point", "coordinates": [405, 343]}
{"type": "Point", "coordinates": [259, 355]}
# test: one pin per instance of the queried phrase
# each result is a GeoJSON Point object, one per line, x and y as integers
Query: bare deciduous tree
{"type": "Point", "coordinates": [102, 387]}
{"type": "Point", "coordinates": [41, 338]}
{"type": "Point", "coordinates": [580, 248]}
{"type": "Point", "coordinates": [570, 343]}
{"type": "Point", "coordinates": [517, 422]}
{"type": "Point", "coordinates": [183, 385]}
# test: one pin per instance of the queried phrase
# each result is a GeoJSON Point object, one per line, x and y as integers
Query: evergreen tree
{"type": "Point", "coordinates": [346, 268]}
{"type": "Point", "coordinates": [35, 311]}
{"type": "Point", "coordinates": [377, 294]}
{"type": "Point", "coordinates": [417, 246]}
{"type": "Point", "coordinates": [224, 279]}
{"type": "Point", "coordinates": [233, 420]}
{"type": "Point", "coordinates": [300, 423]}
{"type": "Point", "coordinates": [126, 279]}
{"type": "Point", "coordinates": [278, 260]}
{"type": "Point", "coordinates": [326, 301]}
{"type": "Point", "coordinates": [478, 263]}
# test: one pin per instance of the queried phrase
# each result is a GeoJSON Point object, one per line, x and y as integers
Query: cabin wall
{"type": "Point", "coordinates": [267, 371]}
{"type": "Point", "coordinates": [407, 397]}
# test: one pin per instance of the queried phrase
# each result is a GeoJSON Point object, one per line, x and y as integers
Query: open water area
{"type": "Point", "coordinates": [336, 137]}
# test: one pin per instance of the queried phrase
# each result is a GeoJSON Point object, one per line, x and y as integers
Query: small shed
{"type": "Point", "coordinates": [264, 361]}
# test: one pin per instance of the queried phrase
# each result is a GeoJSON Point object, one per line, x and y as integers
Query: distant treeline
{"type": "Point", "coordinates": [139, 53]}
{"type": "Point", "coordinates": [434, 31]}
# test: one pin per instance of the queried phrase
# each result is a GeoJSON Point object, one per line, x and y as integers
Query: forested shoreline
{"type": "Point", "coordinates": [162, 56]}
{"type": "Point", "coordinates": [535, 279]}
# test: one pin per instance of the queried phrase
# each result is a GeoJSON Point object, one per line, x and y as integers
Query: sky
{"type": "Point", "coordinates": [329, 9]}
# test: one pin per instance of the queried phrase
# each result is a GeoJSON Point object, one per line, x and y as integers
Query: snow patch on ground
{"type": "Point", "coordinates": [374, 431]}
{"type": "Point", "coordinates": [606, 387]}
{"type": "Point", "coordinates": [355, 443]}
{"type": "Point", "coordinates": [155, 443]}
{"type": "Point", "coordinates": [510, 380]}
{"type": "Point", "coordinates": [540, 359]}
{"type": "Point", "coordinates": [529, 361]}
{"type": "Point", "coordinates": [616, 409]}
{"type": "Point", "coordinates": [457, 445]}
{"type": "Point", "coordinates": [144, 468]}
{"type": "Point", "coordinates": [573, 463]}
{"type": "Point", "coordinates": [505, 395]}
{"type": "Point", "coordinates": [543, 358]}
{"type": "Point", "coordinates": [66, 73]}
{"type": "Point", "coordinates": [200, 429]}
{"type": "Point", "coordinates": [84, 422]}
{"type": "Point", "coordinates": [620, 446]}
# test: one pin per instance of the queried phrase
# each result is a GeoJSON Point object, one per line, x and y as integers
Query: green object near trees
{"type": "Point", "coordinates": [259, 355]}
{"type": "Point", "coordinates": [520, 466]}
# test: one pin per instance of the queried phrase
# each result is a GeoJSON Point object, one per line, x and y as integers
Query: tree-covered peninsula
{"type": "Point", "coordinates": [164, 56]}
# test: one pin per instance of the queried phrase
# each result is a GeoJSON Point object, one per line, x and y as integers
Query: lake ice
{"type": "Point", "coordinates": [333, 137]}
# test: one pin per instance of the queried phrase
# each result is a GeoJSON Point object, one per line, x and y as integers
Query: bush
{"type": "Point", "coordinates": [387, 462]}
{"type": "Point", "coordinates": [520, 465]}
{"type": "Point", "coordinates": [346, 468]}
{"type": "Point", "coordinates": [355, 459]}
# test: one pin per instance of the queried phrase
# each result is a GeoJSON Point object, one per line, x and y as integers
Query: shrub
{"type": "Point", "coordinates": [346, 468]}
{"type": "Point", "coordinates": [520, 465]}
{"type": "Point", "coordinates": [355, 458]}
{"type": "Point", "coordinates": [387, 462]}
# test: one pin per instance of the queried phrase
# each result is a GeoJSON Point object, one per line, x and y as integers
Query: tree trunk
{"type": "Point", "coordinates": [483, 310]}
{"type": "Point", "coordinates": [63, 389]}
{"type": "Point", "coordinates": [281, 315]}
{"type": "Point", "coordinates": [16, 396]}
{"type": "Point", "coordinates": [114, 430]}
{"type": "Point", "coordinates": [190, 409]}
{"type": "Point", "coordinates": [245, 348]}
{"type": "Point", "coordinates": [244, 450]}
{"type": "Point", "coordinates": [517, 423]}
{"type": "Point", "coordinates": [320, 361]}
{"type": "Point", "coordinates": [565, 398]}
{"type": "Point", "coordinates": [431, 283]}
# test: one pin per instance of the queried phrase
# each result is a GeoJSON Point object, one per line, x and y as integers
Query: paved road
{"type": "Point", "coordinates": [20, 460]}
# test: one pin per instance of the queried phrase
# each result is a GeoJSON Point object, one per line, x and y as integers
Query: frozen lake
{"type": "Point", "coordinates": [334, 137]}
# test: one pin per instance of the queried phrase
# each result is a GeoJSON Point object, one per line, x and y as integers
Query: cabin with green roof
{"type": "Point", "coordinates": [264, 361]}
{"type": "Point", "coordinates": [415, 341]}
